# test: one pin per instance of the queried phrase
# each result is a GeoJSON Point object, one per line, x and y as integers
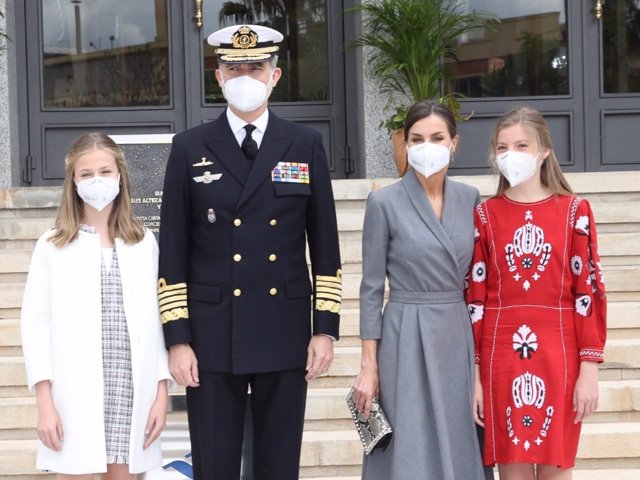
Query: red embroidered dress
{"type": "Point", "coordinates": [537, 305]}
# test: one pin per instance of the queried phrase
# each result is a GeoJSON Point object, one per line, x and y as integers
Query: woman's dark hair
{"type": "Point", "coordinates": [423, 109]}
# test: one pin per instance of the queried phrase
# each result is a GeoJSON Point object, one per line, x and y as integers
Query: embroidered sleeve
{"type": "Point", "coordinates": [476, 288]}
{"type": "Point", "coordinates": [588, 285]}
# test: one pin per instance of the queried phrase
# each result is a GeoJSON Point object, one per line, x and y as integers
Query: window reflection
{"type": "Point", "coordinates": [303, 53]}
{"type": "Point", "coordinates": [105, 53]}
{"type": "Point", "coordinates": [621, 46]}
{"type": "Point", "coordinates": [525, 54]}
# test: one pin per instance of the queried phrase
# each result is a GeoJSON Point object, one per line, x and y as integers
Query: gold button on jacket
{"type": "Point", "coordinates": [240, 289]}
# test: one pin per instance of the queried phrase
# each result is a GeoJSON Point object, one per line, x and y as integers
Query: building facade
{"type": "Point", "coordinates": [144, 67]}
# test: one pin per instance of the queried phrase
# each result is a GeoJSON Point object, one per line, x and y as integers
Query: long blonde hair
{"type": "Point", "coordinates": [122, 222]}
{"type": "Point", "coordinates": [533, 122]}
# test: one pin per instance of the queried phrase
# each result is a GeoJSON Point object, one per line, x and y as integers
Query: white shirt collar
{"type": "Point", "coordinates": [237, 124]}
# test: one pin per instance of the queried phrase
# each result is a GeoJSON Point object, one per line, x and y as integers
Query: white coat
{"type": "Point", "coordinates": [62, 343]}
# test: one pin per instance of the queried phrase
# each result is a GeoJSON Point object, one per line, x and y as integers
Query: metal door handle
{"type": "Point", "coordinates": [597, 11]}
{"type": "Point", "coordinates": [198, 16]}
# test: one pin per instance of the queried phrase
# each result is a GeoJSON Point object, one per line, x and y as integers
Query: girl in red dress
{"type": "Point", "coordinates": [537, 305]}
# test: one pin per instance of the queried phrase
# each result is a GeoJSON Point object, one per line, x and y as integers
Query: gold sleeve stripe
{"type": "Point", "coordinates": [328, 296]}
{"type": "Point", "coordinates": [181, 291]}
{"type": "Point", "coordinates": [337, 278]}
{"type": "Point", "coordinates": [163, 287]}
{"type": "Point", "coordinates": [169, 305]}
{"type": "Point", "coordinates": [329, 284]}
{"type": "Point", "coordinates": [175, 314]}
{"type": "Point", "coordinates": [328, 306]}
{"type": "Point", "coordinates": [335, 291]}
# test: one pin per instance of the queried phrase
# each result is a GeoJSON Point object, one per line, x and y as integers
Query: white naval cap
{"type": "Point", "coordinates": [245, 43]}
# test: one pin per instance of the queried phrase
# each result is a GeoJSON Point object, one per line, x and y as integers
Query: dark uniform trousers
{"type": "Point", "coordinates": [235, 285]}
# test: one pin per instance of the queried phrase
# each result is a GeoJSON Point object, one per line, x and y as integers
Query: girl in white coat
{"type": "Point", "coordinates": [91, 332]}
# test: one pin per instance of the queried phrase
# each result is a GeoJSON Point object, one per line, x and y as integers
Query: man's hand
{"type": "Point", "coordinates": [183, 365]}
{"type": "Point", "coordinates": [319, 356]}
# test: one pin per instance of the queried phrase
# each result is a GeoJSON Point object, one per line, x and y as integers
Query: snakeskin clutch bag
{"type": "Point", "coordinates": [375, 431]}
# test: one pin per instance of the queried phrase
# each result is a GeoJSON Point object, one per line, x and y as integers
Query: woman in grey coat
{"type": "Point", "coordinates": [417, 355]}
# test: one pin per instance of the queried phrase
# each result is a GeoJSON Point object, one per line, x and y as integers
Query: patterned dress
{"type": "Point", "coordinates": [116, 361]}
{"type": "Point", "coordinates": [537, 305]}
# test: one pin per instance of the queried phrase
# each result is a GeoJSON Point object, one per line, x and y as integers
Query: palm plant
{"type": "Point", "coordinates": [411, 42]}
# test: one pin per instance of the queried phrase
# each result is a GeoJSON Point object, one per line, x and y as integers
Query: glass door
{"type": "Point", "coordinates": [612, 79]}
{"type": "Point", "coordinates": [312, 88]}
{"type": "Point", "coordinates": [532, 55]}
{"type": "Point", "coordinates": [111, 65]}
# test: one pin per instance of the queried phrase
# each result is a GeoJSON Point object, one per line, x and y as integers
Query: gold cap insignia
{"type": "Point", "coordinates": [244, 38]}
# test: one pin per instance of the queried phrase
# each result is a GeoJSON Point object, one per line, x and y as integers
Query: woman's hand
{"type": "Point", "coordinates": [367, 385]}
{"type": "Point", "coordinates": [365, 389]}
{"type": "Point", "coordinates": [49, 425]}
{"type": "Point", "coordinates": [585, 394]}
{"type": "Point", "coordinates": [157, 415]}
{"type": "Point", "coordinates": [478, 400]}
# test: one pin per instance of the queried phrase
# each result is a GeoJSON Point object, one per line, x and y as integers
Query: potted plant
{"type": "Point", "coordinates": [412, 46]}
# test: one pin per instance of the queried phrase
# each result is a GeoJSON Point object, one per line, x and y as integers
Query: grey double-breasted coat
{"type": "Point", "coordinates": [425, 351]}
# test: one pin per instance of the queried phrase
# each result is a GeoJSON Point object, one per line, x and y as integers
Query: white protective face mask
{"type": "Point", "coordinates": [245, 93]}
{"type": "Point", "coordinates": [517, 167]}
{"type": "Point", "coordinates": [428, 158]}
{"type": "Point", "coordinates": [98, 191]}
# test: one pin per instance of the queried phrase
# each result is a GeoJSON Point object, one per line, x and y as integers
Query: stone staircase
{"type": "Point", "coordinates": [610, 443]}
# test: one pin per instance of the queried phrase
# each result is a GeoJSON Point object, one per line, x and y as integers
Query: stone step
{"type": "Point", "coordinates": [24, 228]}
{"type": "Point", "coordinates": [623, 352]}
{"type": "Point", "coordinates": [623, 245]}
{"type": "Point", "coordinates": [14, 261]}
{"type": "Point", "coordinates": [342, 447]}
{"type": "Point", "coordinates": [12, 372]}
{"type": "Point", "coordinates": [619, 353]}
{"type": "Point", "coordinates": [327, 405]}
{"type": "Point", "coordinates": [9, 333]}
{"type": "Point", "coordinates": [11, 297]}
{"type": "Point", "coordinates": [606, 212]}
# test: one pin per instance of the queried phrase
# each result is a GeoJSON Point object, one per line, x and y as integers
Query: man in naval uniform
{"type": "Point", "coordinates": [243, 196]}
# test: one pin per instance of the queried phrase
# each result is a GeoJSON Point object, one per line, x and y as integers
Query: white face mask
{"type": "Point", "coordinates": [517, 167]}
{"type": "Point", "coordinates": [428, 158]}
{"type": "Point", "coordinates": [245, 93]}
{"type": "Point", "coordinates": [98, 191]}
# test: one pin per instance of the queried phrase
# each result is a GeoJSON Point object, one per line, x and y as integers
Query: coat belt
{"type": "Point", "coordinates": [399, 296]}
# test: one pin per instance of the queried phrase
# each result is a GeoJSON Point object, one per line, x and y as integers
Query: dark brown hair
{"type": "Point", "coordinates": [424, 109]}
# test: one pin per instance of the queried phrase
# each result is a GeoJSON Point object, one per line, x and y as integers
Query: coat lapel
{"type": "Point", "coordinates": [420, 202]}
{"type": "Point", "coordinates": [275, 144]}
{"type": "Point", "coordinates": [224, 146]}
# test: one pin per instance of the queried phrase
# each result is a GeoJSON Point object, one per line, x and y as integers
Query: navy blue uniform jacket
{"type": "Point", "coordinates": [234, 281]}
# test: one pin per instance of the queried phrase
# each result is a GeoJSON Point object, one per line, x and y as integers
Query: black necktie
{"type": "Point", "coordinates": [249, 146]}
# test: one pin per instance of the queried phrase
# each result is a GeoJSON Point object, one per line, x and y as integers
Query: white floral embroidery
{"type": "Point", "coordinates": [576, 265]}
{"type": "Point", "coordinates": [600, 272]}
{"type": "Point", "coordinates": [479, 272]}
{"type": "Point", "coordinates": [583, 305]}
{"type": "Point", "coordinates": [476, 312]}
{"type": "Point", "coordinates": [582, 224]}
{"type": "Point", "coordinates": [528, 389]}
{"type": "Point", "coordinates": [525, 342]}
